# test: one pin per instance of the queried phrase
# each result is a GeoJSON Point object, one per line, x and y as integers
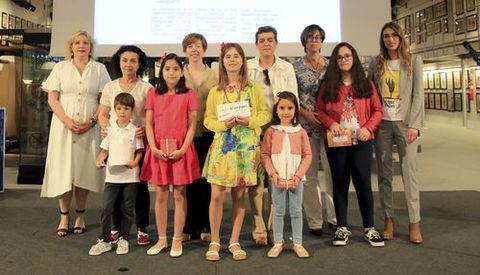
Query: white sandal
{"type": "Point", "coordinates": [176, 253]}
{"type": "Point", "coordinates": [238, 254]}
{"type": "Point", "coordinates": [213, 255]}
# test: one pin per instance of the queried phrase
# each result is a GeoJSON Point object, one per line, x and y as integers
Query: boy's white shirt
{"type": "Point", "coordinates": [121, 144]}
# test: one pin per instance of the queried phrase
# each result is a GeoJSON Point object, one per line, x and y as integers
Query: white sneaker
{"type": "Point", "coordinates": [100, 247]}
{"type": "Point", "coordinates": [122, 246]}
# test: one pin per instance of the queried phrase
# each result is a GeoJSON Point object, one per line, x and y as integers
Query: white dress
{"type": "Point", "coordinates": [70, 157]}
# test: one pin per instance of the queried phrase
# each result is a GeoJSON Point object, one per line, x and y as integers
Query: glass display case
{"type": "Point", "coordinates": [35, 113]}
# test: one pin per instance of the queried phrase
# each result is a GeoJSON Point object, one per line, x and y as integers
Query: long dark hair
{"type": "Point", "coordinates": [290, 97]}
{"type": "Point", "coordinates": [142, 59]}
{"type": "Point", "coordinates": [162, 84]}
{"type": "Point", "coordinates": [333, 76]}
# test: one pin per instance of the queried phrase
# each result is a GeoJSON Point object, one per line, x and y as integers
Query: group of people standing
{"type": "Point", "coordinates": [181, 135]}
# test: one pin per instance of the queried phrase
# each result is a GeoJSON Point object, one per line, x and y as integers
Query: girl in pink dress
{"type": "Point", "coordinates": [170, 159]}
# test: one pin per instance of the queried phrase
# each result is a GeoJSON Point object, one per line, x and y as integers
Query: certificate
{"type": "Point", "coordinates": [229, 110]}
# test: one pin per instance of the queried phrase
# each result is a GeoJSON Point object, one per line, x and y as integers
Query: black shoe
{"type": "Point", "coordinates": [316, 232]}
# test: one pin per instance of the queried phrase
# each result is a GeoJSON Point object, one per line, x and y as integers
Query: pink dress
{"type": "Point", "coordinates": [170, 120]}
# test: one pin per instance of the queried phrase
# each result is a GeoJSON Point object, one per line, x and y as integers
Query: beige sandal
{"type": "Point", "coordinates": [213, 255]}
{"type": "Point", "coordinates": [238, 253]}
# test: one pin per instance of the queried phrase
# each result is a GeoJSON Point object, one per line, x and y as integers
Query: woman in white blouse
{"type": "Point", "coordinates": [73, 89]}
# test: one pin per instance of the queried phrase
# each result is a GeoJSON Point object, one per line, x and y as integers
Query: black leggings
{"type": "Point", "coordinates": [198, 193]}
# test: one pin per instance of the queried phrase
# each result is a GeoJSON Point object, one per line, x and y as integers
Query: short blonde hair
{"type": "Point", "coordinates": [68, 45]}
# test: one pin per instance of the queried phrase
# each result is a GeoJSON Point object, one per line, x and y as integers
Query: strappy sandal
{"type": "Point", "coordinates": [79, 229]}
{"type": "Point", "coordinates": [213, 255]}
{"type": "Point", "coordinates": [62, 232]}
{"type": "Point", "coordinates": [238, 253]}
{"type": "Point", "coordinates": [176, 253]}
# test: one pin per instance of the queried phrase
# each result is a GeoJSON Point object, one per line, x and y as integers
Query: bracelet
{"type": "Point", "coordinates": [93, 120]}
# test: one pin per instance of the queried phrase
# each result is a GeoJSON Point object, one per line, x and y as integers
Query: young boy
{"type": "Point", "coordinates": [124, 151]}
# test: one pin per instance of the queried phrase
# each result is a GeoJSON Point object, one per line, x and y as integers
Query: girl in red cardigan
{"type": "Point", "coordinates": [348, 100]}
{"type": "Point", "coordinates": [286, 155]}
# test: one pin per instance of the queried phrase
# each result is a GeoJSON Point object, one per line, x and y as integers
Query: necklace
{"type": "Point", "coordinates": [128, 85]}
{"type": "Point", "coordinates": [230, 89]}
{"type": "Point", "coordinates": [310, 62]}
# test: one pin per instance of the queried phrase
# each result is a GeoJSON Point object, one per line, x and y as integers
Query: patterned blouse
{"type": "Point", "coordinates": [308, 84]}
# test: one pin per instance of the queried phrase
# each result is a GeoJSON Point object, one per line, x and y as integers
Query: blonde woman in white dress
{"type": "Point", "coordinates": [73, 91]}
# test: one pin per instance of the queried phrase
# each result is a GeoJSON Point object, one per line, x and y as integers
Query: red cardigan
{"type": "Point", "coordinates": [369, 109]}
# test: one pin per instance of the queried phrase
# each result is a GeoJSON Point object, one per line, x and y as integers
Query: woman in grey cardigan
{"type": "Point", "coordinates": [398, 77]}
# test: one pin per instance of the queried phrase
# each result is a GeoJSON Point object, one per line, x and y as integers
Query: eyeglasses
{"type": "Point", "coordinates": [346, 57]}
{"type": "Point", "coordinates": [388, 36]}
{"type": "Point", "coordinates": [314, 38]}
{"type": "Point", "coordinates": [266, 78]}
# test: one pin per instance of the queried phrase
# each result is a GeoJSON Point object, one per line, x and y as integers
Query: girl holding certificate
{"type": "Point", "coordinates": [233, 157]}
{"type": "Point", "coordinates": [348, 101]}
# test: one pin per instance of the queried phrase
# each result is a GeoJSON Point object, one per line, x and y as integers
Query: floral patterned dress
{"type": "Point", "coordinates": [233, 157]}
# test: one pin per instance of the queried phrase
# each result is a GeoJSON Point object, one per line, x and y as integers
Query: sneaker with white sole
{"type": "Point", "coordinates": [142, 238]}
{"type": "Point", "coordinates": [100, 247]}
{"type": "Point", "coordinates": [122, 246]}
{"type": "Point", "coordinates": [373, 237]}
{"type": "Point", "coordinates": [341, 236]}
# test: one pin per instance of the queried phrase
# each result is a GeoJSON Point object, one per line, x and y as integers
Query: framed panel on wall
{"type": "Point", "coordinates": [440, 9]}
{"type": "Point", "coordinates": [444, 101]}
{"type": "Point", "coordinates": [431, 100]}
{"type": "Point", "coordinates": [438, 101]}
{"type": "Point", "coordinates": [18, 22]}
{"type": "Point", "coordinates": [457, 84]}
{"type": "Point", "coordinates": [459, 7]}
{"type": "Point", "coordinates": [470, 5]}
{"type": "Point", "coordinates": [430, 81]}
{"type": "Point", "coordinates": [425, 99]}
{"type": "Point", "coordinates": [437, 26]}
{"type": "Point", "coordinates": [449, 80]}
{"type": "Point", "coordinates": [437, 81]}
{"type": "Point", "coordinates": [478, 102]}
{"type": "Point", "coordinates": [458, 102]}
{"type": "Point", "coordinates": [429, 28]}
{"type": "Point", "coordinates": [477, 78]}
{"type": "Point", "coordinates": [471, 23]}
{"type": "Point", "coordinates": [4, 20]}
{"type": "Point", "coordinates": [425, 81]}
{"type": "Point", "coordinates": [24, 24]}
{"type": "Point", "coordinates": [11, 21]}
{"type": "Point", "coordinates": [429, 13]}
{"type": "Point", "coordinates": [443, 80]}
{"type": "Point", "coordinates": [450, 101]}
{"type": "Point", "coordinates": [460, 25]}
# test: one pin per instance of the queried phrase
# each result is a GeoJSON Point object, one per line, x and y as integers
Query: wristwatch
{"type": "Point", "coordinates": [93, 120]}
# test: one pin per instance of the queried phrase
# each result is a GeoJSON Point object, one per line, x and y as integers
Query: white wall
{"type": "Point", "coordinates": [360, 27]}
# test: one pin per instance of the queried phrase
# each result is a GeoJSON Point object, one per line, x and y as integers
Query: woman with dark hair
{"type": "Point", "coordinates": [398, 76]}
{"type": "Point", "coordinates": [348, 102]}
{"type": "Point", "coordinates": [201, 79]}
{"type": "Point", "coordinates": [129, 64]}
{"type": "Point", "coordinates": [73, 88]}
{"type": "Point", "coordinates": [310, 70]}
